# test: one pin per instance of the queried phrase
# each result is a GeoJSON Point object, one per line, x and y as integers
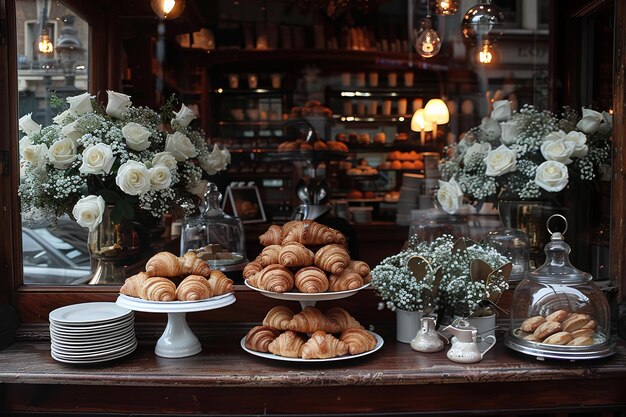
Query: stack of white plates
{"type": "Point", "coordinates": [91, 332]}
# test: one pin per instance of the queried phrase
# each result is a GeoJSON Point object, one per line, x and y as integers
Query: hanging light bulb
{"type": "Point", "coordinates": [481, 22]}
{"type": "Point", "coordinates": [427, 42]}
{"type": "Point", "coordinates": [167, 9]}
{"type": "Point", "coordinates": [446, 7]}
{"type": "Point", "coordinates": [45, 44]}
{"type": "Point", "coordinates": [486, 53]}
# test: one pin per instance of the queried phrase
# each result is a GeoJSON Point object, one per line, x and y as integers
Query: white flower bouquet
{"type": "Point", "coordinates": [525, 155]}
{"type": "Point", "coordinates": [121, 155]}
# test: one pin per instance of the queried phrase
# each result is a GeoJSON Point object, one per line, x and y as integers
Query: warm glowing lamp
{"type": "Point", "coordinates": [418, 124]}
{"type": "Point", "coordinates": [45, 44]}
{"type": "Point", "coordinates": [436, 113]}
{"type": "Point", "coordinates": [446, 7]}
{"type": "Point", "coordinates": [486, 54]}
{"type": "Point", "coordinates": [168, 9]}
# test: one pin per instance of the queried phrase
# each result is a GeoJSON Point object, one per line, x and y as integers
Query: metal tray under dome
{"type": "Point", "coordinates": [603, 348]}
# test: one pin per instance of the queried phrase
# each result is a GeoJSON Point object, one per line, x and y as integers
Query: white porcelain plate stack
{"type": "Point", "coordinates": [91, 333]}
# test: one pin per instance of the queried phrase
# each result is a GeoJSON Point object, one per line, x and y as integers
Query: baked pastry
{"type": "Point", "coordinates": [343, 319]}
{"type": "Point", "coordinates": [274, 278]}
{"type": "Point", "coordinates": [294, 255]}
{"type": "Point", "coordinates": [309, 232]}
{"type": "Point", "coordinates": [193, 288]}
{"type": "Point", "coordinates": [358, 340]}
{"type": "Point", "coordinates": [575, 321]}
{"type": "Point", "coordinates": [251, 269]}
{"type": "Point", "coordinates": [273, 236]}
{"type": "Point", "coordinates": [591, 324]}
{"type": "Point", "coordinates": [332, 258]}
{"type": "Point", "coordinates": [347, 280]}
{"type": "Point", "coordinates": [581, 341]}
{"type": "Point", "coordinates": [166, 264]}
{"type": "Point", "coordinates": [559, 315]}
{"type": "Point", "coordinates": [278, 317]}
{"type": "Point", "coordinates": [311, 280]}
{"type": "Point", "coordinates": [360, 267]}
{"type": "Point", "coordinates": [269, 255]}
{"type": "Point", "coordinates": [260, 337]}
{"type": "Point", "coordinates": [192, 265]}
{"type": "Point", "coordinates": [560, 338]}
{"type": "Point", "coordinates": [531, 323]}
{"type": "Point", "coordinates": [547, 329]}
{"type": "Point", "coordinates": [158, 289]}
{"type": "Point", "coordinates": [323, 346]}
{"type": "Point", "coordinates": [288, 344]}
{"type": "Point", "coordinates": [133, 284]}
{"type": "Point", "coordinates": [584, 332]}
{"type": "Point", "coordinates": [220, 283]}
{"type": "Point", "coordinates": [311, 320]}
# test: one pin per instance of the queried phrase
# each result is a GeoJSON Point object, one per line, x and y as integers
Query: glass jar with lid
{"type": "Point", "coordinates": [558, 311]}
{"type": "Point", "coordinates": [215, 236]}
{"type": "Point", "coordinates": [515, 245]}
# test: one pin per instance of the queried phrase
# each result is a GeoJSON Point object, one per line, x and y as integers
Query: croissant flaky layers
{"type": "Point", "coordinates": [166, 264]}
{"type": "Point", "coordinates": [306, 232]}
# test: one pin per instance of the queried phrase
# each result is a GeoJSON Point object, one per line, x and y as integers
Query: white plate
{"type": "Point", "coordinates": [61, 345]}
{"type": "Point", "coordinates": [55, 338]}
{"type": "Point", "coordinates": [92, 333]}
{"type": "Point", "coordinates": [87, 361]}
{"type": "Point", "coordinates": [96, 329]}
{"type": "Point", "coordinates": [88, 313]}
{"type": "Point", "coordinates": [302, 296]}
{"type": "Point", "coordinates": [379, 344]}
{"type": "Point", "coordinates": [105, 353]}
{"type": "Point", "coordinates": [138, 304]}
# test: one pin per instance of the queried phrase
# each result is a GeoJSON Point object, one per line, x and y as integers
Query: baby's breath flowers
{"type": "Point", "coordinates": [510, 161]}
{"type": "Point", "coordinates": [121, 154]}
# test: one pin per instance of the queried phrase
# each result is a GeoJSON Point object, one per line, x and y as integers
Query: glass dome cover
{"type": "Point", "coordinates": [215, 236]}
{"type": "Point", "coordinates": [557, 311]}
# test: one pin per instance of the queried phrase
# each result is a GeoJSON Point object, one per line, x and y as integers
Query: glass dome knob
{"type": "Point", "coordinates": [213, 199]}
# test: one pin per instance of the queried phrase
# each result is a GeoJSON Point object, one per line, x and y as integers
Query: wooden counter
{"type": "Point", "coordinates": [224, 379]}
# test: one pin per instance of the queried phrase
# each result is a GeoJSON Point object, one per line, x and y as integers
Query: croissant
{"type": "Point", "coordinates": [309, 232]}
{"type": "Point", "coordinates": [274, 278]}
{"type": "Point", "coordinates": [260, 337]}
{"type": "Point", "coordinates": [163, 264]}
{"type": "Point", "coordinates": [288, 344]}
{"type": "Point", "coordinates": [192, 265]}
{"type": "Point", "coordinates": [192, 288]}
{"type": "Point", "coordinates": [311, 320]}
{"type": "Point", "coordinates": [269, 255]}
{"type": "Point", "coordinates": [347, 280]}
{"type": "Point", "coordinates": [343, 319]}
{"type": "Point", "coordinates": [278, 317]}
{"type": "Point", "coordinates": [311, 280]}
{"type": "Point", "coordinates": [295, 255]}
{"type": "Point", "coordinates": [367, 279]}
{"type": "Point", "coordinates": [251, 269]}
{"type": "Point", "coordinates": [360, 267]}
{"type": "Point", "coordinates": [132, 285]}
{"type": "Point", "coordinates": [220, 283]}
{"type": "Point", "coordinates": [332, 258]}
{"type": "Point", "coordinates": [273, 236]}
{"type": "Point", "coordinates": [158, 289]}
{"type": "Point", "coordinates": [322, 346]}
{"type": "Point", "coordinates": [358, 340]}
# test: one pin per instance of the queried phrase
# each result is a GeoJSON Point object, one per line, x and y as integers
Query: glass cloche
{"type": "Point", "coordinates": [557, 311]}
{"type": "Point", "coordinates": [515, 245]}
{"type": "Point", "coordinates": [215, 236]}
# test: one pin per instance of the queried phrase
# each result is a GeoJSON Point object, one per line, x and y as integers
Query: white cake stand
{"type": "Point", "coordinates": [177, 340]}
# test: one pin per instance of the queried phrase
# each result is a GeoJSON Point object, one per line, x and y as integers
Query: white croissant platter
{"type": "Point", "coordinates": [299, 296]}
{"type": "Point", "coordinates": [379, 344]}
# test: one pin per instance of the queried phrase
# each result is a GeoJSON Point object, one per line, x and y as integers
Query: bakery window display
{"type": "Point", "coordinates": [557, 310]}
{"type": "Point", "coordinates": [176, 285]}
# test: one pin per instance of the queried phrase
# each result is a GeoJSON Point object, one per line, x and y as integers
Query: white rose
{"type": "Point", "coordinates": [491, 129]}
{"type": "Point", "coordinates": [479, 149]}
{"type": "Point", "coordinates": [28, 125]}
{"type": "Point", "coordinates": [97, 159]}
{"type": "Point", "coordinates": [578, 141]}
{"type": "Point", "coordinates": [501, 110]}
{"type": "Point", "coordinates": [553, 136]}
{"type": "Point", "coordinates": [551, 176]}
{"type": "Point", "coordinates": [509, 132]}
{"type": "Point", "coordinates": [133, 178]}
{"type": "Point", "coordinates": [80, 104]}
{"type": "Point", "coordinates": [184, 116]}
{"type": "Point", "coordinates": [449, 196]}
{"type": "Point", "coordinates": [607, 123]}
{"type": "Point", "coordinates": [24, 142]}
{"type": "Point", "coordinates": [136, 136]}
{"type": "Point", "coordinates": [69, 131]}
{"type": "Point", "coordinates": [557, 150]}
{"type": "Point", "coordinates": [88, 211]}
{"type": "Point", "coordinates": [217, 160]}
{"type": "Point", "coordinates": [62, 153]}
{"type": "Point", "coordinates": [590, 121]}
{"type": "Point", "coordinates": [35, 154]}
{"type": "Point", "coordinates": [500, 161]}
{"type": "Point", "coordinates": [63, 118]}
{"type": "Point", "coordinates": [180, 146]}
{"type": "Point", "coordinates": [117, 103]}
{"type": "Point", "coordinates": [160, 177]}
{"type": "Point", "coordinates": [165, 158]}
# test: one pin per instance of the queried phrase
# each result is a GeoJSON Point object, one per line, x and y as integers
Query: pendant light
{"type": "Point", "coordinates": [427, 42]}
{"type": "Point", "coordinates": [446, 7]}
{"type": "Point", "coordinates": [480, 22]}
{"type": "Point", "coordinates": [167, 9]}
{"type": "Point", "coordinates": [486, 54]}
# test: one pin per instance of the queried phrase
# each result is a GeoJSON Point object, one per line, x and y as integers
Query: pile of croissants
{"type": "Point", "coordinates": [287, 261]}
{"type": "Point", "coordinates": [196, 281]}
{"type": "Point", "coordinates": [334, 333]}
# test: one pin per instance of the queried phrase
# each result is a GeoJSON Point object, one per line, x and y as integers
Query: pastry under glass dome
{"type": "Point", "coordinates": [558, 311]}
{"type": "Point", "coordinates": [215, 236]}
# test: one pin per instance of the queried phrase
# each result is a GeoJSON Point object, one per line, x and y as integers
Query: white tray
{"type": "Point", "coordinates": [379, 344]}
{"type": "Point", "coordinates": [307, 299]}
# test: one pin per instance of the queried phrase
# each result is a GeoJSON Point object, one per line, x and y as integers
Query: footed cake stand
{"type": "Point", "coordinates": [177, 340]}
